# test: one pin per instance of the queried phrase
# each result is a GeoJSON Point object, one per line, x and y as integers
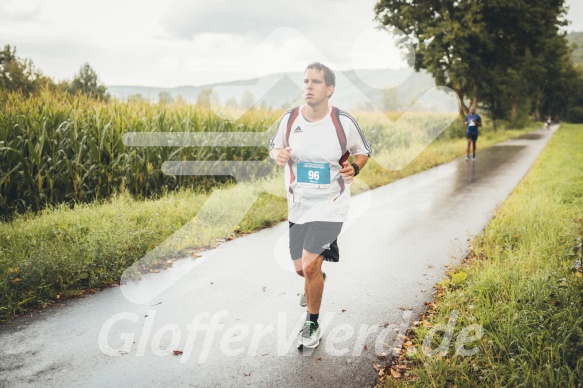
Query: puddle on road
{"type": "Point", "coordinates": [487, 165]}
{"type": "Point", "coordinates": [530, 136]}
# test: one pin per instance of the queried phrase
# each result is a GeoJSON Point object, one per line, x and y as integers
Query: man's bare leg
{"type": "Point", "coordinates": [314, 280]}
{"type": "Point", "coordinates": [298, 267]}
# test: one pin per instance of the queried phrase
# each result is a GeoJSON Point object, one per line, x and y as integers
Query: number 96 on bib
{"type": "Point", "coordinates": [313, 174]}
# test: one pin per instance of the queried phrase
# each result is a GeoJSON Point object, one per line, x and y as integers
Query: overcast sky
{"type": "Point", "coordinates": [195, 42]}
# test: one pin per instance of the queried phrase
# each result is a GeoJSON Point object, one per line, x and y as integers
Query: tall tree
{"type": "Point", "coordinates": [495, 51]}
{"type": "Point", "coordinates": [86, 81]}
{"type": "Point", "coordinates": [561, 80]}
{"type": "Point", "coordinates": [165, 97]}
{"type": "Point", "coordinates": [138, 97]}
{"type": "Point", "coordinates": [574, 107]}
{"type": "Point", "coordinates": [576, 41]}
{"type": "Point", "coordinates": [206, 96]}
{"type": "Point", "coordinates": [247, 99]}
{"type": "Point", "coordinates": [523, 59]}
{"type": "Point", "coordinates": [179, 100]}
{"type": "Point", "coordinates": [447, 37]}
{"type": "Point", "coordinates": [18, 74]}
{"type": "Point", "coordinates": [390, 99]}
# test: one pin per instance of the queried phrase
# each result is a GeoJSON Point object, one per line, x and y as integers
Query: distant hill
{"type": "Point", "coordinates": [576, 38]}
{"type": "Point", "coordinates": [283, 90]}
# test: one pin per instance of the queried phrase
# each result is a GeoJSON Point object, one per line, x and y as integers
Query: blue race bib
{"type": "Point", "coordinates": [313, 174]}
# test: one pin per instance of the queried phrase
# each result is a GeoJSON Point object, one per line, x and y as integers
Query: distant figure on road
{"type": "Point", "coordinates": [473, 121]}
{"type": "Point", "coordinates": [314, 141]}
{"type": "Point", "coordinates": [548, 122]}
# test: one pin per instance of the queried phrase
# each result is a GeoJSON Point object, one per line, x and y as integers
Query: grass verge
{"type": "Point", "coordinates": [61, 253]}
{"type": "Point", "coordinates": [521, 289]}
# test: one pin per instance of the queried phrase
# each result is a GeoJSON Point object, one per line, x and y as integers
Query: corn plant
{"type": "Point", "coordinates": [56, 148]}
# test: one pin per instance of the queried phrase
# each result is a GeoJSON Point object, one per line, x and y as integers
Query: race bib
{"type": "Point", "coordinates": [313, 174]}
{"type": "Point", "coordinates": [472, 123]}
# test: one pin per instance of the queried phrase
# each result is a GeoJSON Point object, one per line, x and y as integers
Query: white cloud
{"type": "Point", "coordinates": [125, 41]}
{"type": "Point", "coordinates": [129, 42]}
{"type": "Point", "coordinates": [13, 12]}
{"type": "Point", "coordinates": [256, 18]}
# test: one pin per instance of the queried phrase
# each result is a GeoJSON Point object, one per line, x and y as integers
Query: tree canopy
{"type": "Point", "coordinates": [165, 97]}
{"type": "Point", "coordinates": [508, 56]}
{"type": "Point", "coordinates": [20, 74]}
{"type": "Point", "coordinates": [576, 41]}
{"type": "Point", "coordinates": [17, 74]}
{"type": "Point", "coordinates": [86, 81]}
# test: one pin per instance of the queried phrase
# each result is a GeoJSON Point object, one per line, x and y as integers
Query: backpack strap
{"type": "Point", "coordinates": [335, 114]}
{"type": "Point", "coordinates": [292, 117]}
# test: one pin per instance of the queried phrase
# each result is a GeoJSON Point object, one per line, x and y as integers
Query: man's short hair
{"type": "Point", "coordinates": [329, 76]}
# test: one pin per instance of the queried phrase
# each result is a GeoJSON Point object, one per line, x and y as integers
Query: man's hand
{"type": "Point", "coordinates": [282, 156]}
{"type": "Point", "coordinates": [347, 172]}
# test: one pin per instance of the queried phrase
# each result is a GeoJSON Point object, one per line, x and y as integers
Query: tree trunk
{"type": "Point", "coordinates": [464, 110]}
{"type": "Point", "coordinates": [536, 114]}
{"type": "Point", "coordinates": [538, 98]}
{"type": "Point", "coordinates": [513, 114]}
{"type": "Point", "coordinates": [474, 102]}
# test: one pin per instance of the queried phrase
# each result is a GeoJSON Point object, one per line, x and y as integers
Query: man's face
{"type": "Point", "coordinates": [315, 90]}
{"type": "Point", "coordinates": [472, 111]}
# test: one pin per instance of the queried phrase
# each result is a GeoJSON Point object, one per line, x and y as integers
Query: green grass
{"type": "Point", "coordinates": [521, 286]}
{"type": "Point", "coordinates": [61, 252]}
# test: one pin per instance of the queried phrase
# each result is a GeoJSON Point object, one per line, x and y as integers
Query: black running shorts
{"type": "Point", "coordinates": [472, 135]}
{"type": "Point", "coordinates": [316, 237]}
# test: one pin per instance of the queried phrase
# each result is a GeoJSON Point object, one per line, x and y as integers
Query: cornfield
{"type": "Point", "coordinates": [56, 148]}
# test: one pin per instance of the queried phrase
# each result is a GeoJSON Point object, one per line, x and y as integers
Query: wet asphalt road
{"type": "Point", "coordinates": [235, 317]}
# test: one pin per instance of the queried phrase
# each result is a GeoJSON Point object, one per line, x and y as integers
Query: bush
{"type": "Point", "coordinates": [575, 114]}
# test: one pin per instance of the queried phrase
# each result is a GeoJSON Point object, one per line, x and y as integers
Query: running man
{"type": "Point", "coordinates": [548, 122]}
{"type": "Point", "coordinates": [314, 141]}
{"type": "Point", "coordinates": [473, 121]}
